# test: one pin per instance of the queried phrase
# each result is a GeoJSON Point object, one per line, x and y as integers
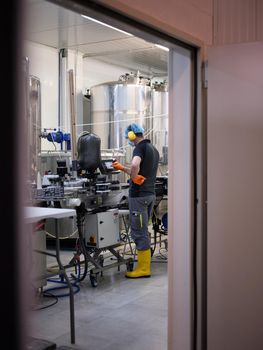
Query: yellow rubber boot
{"type": "Point", "coordinates": [143, 268]}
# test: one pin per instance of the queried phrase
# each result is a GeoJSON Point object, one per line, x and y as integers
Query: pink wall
{"type": "Point", "coordinates": [235, 197]}
{"type": "Point", "coordinates": [237, 21]}
{"type": "Point", "coordinates": [189, 19]}
{"type": "Point", "coordinates": [214, 22]}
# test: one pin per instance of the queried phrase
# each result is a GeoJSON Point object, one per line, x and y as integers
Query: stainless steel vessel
{"type": "Point", "coordinates": [160, 120]}
{"type": "Point", "coordinates": [115, 105]}
{"type": "Point", "coordinates": [34, 126]}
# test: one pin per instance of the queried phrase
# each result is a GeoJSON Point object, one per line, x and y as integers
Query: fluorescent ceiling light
{"type": "Point", "coordinates": [162, 47]}
{"type": "Point", "coordinates": [106, 25]}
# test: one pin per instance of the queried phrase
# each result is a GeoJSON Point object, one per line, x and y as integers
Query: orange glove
{"type": "Point", "coordinates": [118, 166]}
{"type": "Point", "coordinates": [138, 179]}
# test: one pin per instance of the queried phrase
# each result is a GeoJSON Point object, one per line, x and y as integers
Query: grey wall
{"type": "Point", "coordinates": [235, 197]}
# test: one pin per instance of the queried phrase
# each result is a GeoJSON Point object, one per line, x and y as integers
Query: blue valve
{"type": "Point", "coordinates": [59, 137]}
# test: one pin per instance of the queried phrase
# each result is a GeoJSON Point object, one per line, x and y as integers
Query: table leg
{"type": "Point", "coordinates": [71, 294]}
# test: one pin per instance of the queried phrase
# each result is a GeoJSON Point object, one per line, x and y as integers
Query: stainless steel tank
{"type": "Point", "coordinates": [34, 126]}
{"type": "Point", "coordinates": [160, 119]}
{"type": "Point", "coordinates": [115, 105]}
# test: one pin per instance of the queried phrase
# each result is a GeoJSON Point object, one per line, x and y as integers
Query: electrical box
{"type": "Point", "coordinates": [102, 229]}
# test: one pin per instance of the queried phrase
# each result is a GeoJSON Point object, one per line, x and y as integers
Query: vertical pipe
{"type": "Point", "coordinates": [62, 110]}
{"type": "Point", "coordinates": [72, 115]}
{"type": "Point", "coordinates": [26, 113]}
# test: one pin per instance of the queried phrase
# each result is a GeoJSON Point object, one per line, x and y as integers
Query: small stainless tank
{"type": "Point", "coordinates": [115, 105]}
{"type": "Point", "coordinates": [34, 126]}
{"type": "Point", "coordinates": [160, 119]}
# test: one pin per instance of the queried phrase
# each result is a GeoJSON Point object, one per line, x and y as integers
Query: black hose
{"type": "Point", "coordinates": [80, 223]}
{"type": "Point", "coordinates": [47, 295]}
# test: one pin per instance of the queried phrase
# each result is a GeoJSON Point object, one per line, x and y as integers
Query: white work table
{"type": "Point", "coordinates": [34, 214]}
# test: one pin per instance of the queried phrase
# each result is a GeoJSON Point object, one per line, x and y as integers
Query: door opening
{"type": "Point", "coordinates": [181, 151]}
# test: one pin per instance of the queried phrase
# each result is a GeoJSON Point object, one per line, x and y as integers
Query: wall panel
{"type": "Point", "coordinates": [237, 21]}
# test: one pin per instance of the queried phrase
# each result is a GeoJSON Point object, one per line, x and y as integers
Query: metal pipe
{"type": "Point", "coordinates": [72, 115]}
{"type": "Point", "coordinates": [62, 111]}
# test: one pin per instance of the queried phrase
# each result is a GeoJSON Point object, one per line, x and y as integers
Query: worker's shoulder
{"type": "Point", "coordinates": [151, 145]}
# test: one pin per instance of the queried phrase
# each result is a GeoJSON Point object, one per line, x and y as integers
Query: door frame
{"type": "Point", "coordinates": [198, 247]}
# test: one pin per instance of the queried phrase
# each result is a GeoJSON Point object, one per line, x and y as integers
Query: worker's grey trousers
{"type": "Point", "coordinates": [140, 212]}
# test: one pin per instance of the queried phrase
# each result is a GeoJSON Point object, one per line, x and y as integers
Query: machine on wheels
{"type": "Point", "coordinates": [99, 233]}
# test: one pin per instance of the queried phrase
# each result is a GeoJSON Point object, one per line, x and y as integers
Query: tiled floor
{"type": "Point", "coordinates": [119, 313]}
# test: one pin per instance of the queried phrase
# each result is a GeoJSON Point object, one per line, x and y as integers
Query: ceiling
{"type": "Point", "coordinates": [54, 26]}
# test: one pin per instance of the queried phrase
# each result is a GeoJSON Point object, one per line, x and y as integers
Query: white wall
{"type": "Point", "coordinates": [87, 73]}
{"type": "Point", "coordinates": [43, 63]}
{"type": "Point", "coordinates": [74, 62]}
{"type": "Point", "coordinates": [96, 72]}
{"type": "Point", "coordinates": [235, 197]}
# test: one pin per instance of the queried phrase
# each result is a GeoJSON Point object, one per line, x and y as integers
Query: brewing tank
{"type": "Point", "coordinates": [160, 119]}
{"type": "Point", "coordinates": [115, 105]}
{"type": "Point", "coordinates": [34, 126]}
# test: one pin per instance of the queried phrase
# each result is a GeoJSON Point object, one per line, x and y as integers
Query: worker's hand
{"type": "Point", "coordinates": [138, 179]}
{"type": "Point", "coordinates": [118, 166]}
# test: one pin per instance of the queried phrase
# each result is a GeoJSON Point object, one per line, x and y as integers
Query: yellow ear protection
{"type": "Point", "coordinates": [131, 135]}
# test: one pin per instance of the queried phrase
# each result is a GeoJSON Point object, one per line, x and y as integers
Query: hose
{"type": "Point", "coordinates": [64, 237]}
{"type": "Point", "coordinates": [62, 287]}
{"type": "Point", "coordinates": [80, 222]}
{"type": "Point", "coordinates": [59, 281]}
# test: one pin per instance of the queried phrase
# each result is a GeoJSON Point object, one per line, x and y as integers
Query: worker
{"type": "Point", "coordinates": [142, 173]}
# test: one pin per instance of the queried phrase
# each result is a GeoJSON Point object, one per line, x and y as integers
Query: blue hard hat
{"type": "Point", "coordinates": [136, 128]}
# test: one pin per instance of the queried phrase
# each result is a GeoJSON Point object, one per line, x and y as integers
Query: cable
{"type": "Point", "coordinates": [163, 256]}
{"type": "Point", "coordinates": [53, 141]}
{"type": "Point", "coordinates": [47, 295]}
{"type": "Point", "coordinates": [39, 226]}
{"type": "Point", "coordinates": [65, 285]}
{"type": "Point", "coordinates": [66, 237]}
{"type": "Point", "coordinates": [80, 222]}
{"type": "Point", "coordinates": [74, 285]}
{"type": "Point", "coordinates": [123, 120]}
{"type": "Point", "coordinates": [55, 145]}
